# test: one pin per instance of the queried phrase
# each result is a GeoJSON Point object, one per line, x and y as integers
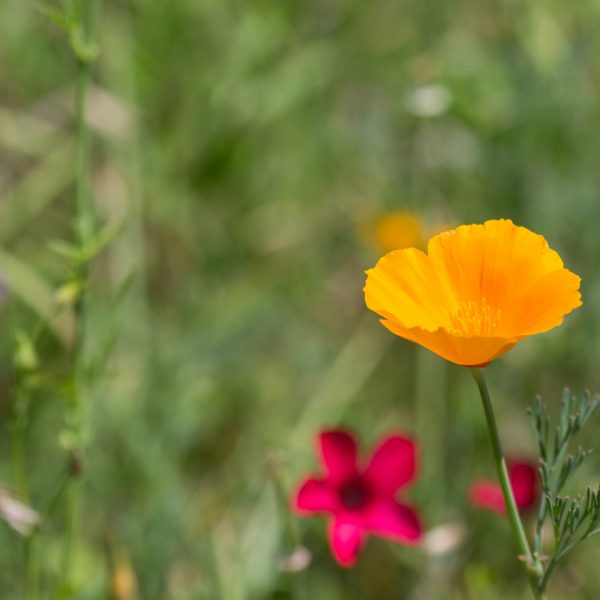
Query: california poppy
{"type": "Point", "coordinates": [478, 291]}
{"type": "Point", "coordinates": [361, 500]}
{"type": "Point", "coordinates": [399, 230]}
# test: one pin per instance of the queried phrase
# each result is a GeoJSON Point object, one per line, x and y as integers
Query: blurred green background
{"type": "Point", "coordinates": [245, 150]}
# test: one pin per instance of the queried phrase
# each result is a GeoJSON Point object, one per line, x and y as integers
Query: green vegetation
{"type": "Point", "coordinates": [239, 153]}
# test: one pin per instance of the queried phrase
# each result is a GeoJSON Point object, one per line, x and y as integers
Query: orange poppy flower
{"type": "Point", "coordinates": [478, 291]}
{"type": "Point", "coordinates": [399, 230]}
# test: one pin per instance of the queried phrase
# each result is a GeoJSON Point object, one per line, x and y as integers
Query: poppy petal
{"type": "Point", "coordinates": [399, 230]}
{"type": "Point", "coordinates": [465, 351]}
{"type": "Point", "coordinates": [478, 291]}
{"type": "Point", "coordinates": [494, 260]}
{"type": "Point", "coordinates": [524, 482]}
{"type": "Point", "coordinates": [392, 465]}
{"type": "Point", "coordinates": [403, 283]}
{"type": "Point", "coordinates": [487, 494]}
{"type": "Point", "coordinates": [544, 305]}
{"type": "Point", "coordinates": [345, 540]}
{"type": "Point", "coordinates": [339, 454]}
{"type": "Point", "coordinates": [315, 495]}
{"type": "Point", "coordinates": [395, 521]}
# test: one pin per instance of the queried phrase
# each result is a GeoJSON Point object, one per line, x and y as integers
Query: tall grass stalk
{"type": "Point", "coordinates": [21, 482]}
{"type": "Point", "coordinates": [85, 231]}
{"type": "Point", "coordinates": [26, 372]}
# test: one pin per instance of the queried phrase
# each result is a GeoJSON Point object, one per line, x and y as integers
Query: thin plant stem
{"type": "Point", "coordinates": [20, 418]}
{"type": "Point", "coordinates": [32, 567]}
{"type": "Point", "coordinates": [85, 225]}
{"type": "Point", "coordinates": [22, 489]}
{"type": "Point", "coordinates": [539, 528]}
{"type": "Point", "coordinates": [21, 480]}
{"type": "Point", "coordinates": [547, 572]}
{"type": "Point", "coordinates": [533, 565]}
{"type": "Point", "coordinates": [85, 211]}
{"type": "Point", "coordinates": [543, 509]}
{"type": "Point", "coordinates": [18, 451]}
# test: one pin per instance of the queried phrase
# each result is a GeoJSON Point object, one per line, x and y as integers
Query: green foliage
{"type": "Point", "coordinates": [71, 21]}
{"type": "Point", "coordinates": [239, 150]}
{"type": "Point", "coordinates": [573, 520]}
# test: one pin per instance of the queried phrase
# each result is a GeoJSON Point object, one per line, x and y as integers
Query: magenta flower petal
{"type": "Point", "coordinates": [345, 540]}
{"type": "Point", "coordinates": [487, 494]}
{"type": "Point", "coordinates": [524, 483]}
{"type": "Point", "coordinates": [395, 521]}
{"type": "Point", "coordinates": [316, 495]}
{"type": "Point", "coordinates": [360, 501]}
{"type": "Point", "coordinates": [338, 450]}
{"type": "Point", "coordinates": [393, 464]}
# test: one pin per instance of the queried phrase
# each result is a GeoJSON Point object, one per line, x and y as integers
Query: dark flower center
{"type": "Point", "coordinates": [355, 494]}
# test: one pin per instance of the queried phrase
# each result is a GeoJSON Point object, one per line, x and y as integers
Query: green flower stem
{"type": "Point", "coordinates": [533, 565]}
{"type": "Point", "coordinates": [19, 425]}
{"type": "Point", "coordinates": [18, 450]}
{"type": "Point", "coordinates": [85, 208]}
{"type": "Point", "coordinates": [84, 51]}
{"type": "Point", "coordinates": [33, 567]}
{"type": "Point", "coordinates": [22, 488]}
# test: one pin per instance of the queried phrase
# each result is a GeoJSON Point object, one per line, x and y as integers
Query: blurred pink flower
{"type": "Point", "coordinates": [361, 501]}
{"type": "Point", "coordinates": [487, 494]}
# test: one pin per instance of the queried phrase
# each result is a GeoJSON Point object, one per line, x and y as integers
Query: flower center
{"type": "Point", "coordinates": [355, 495]}
{"type": "Point", "coordinates": [472, 318]}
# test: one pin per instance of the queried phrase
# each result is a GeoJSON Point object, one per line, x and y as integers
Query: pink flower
{"type": "Point", "coordinates": [523, 476]}
{"type": "Point", "coordinates": [361, 500]}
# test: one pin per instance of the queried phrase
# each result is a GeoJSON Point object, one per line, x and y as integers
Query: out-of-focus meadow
{"type": "Point", "coordinates": [245, 152]}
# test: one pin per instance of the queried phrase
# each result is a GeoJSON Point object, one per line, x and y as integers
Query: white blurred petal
{"type": "Point", "coordinates": [444, 538]}
{"type": "Point", "coordinates": [19, 516]}
{"type": "Point", "coordinates": [428, 100]}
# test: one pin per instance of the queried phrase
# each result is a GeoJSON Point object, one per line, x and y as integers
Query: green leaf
{"type": "Point", "coordinates": [54, 14]}
{"type": "Point", "coordinates": [25, 283]}
{"type": "Point", "coordinates": [44, 182]}
{"type": "Point", "coordinates": [26, 358]}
